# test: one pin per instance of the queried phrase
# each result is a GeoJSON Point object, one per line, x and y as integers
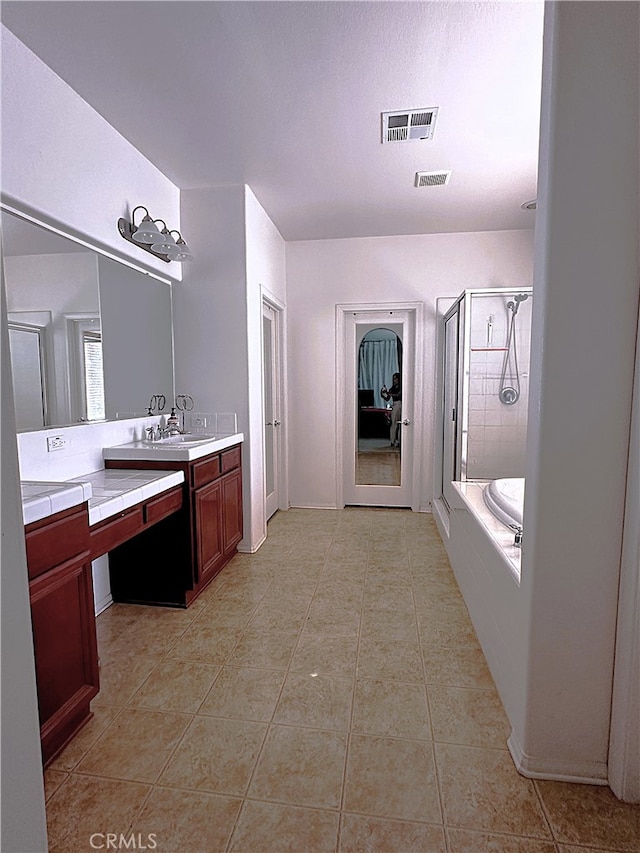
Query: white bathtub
{"type": "Point", "coordinates": [505, 499]}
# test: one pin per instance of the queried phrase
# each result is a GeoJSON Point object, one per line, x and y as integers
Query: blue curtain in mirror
{"type": "Point", "coordinates": [378, 361]}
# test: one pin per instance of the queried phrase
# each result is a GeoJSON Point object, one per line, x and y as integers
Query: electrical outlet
{"type": "Point", "coordinates": [200, 421]}
{"type": "Point", "coordinates": [56, 442]}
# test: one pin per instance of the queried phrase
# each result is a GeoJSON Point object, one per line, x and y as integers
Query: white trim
{"type": "Point", "coordinates": [624, 742]}
{"type": "Point", "coordinates": [589, 773]}
{"type": "Point", "coordinates": [268, 298]}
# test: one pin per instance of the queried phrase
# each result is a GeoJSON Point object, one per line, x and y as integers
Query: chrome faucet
{"type": "Point", "coordinates": [518, 537]}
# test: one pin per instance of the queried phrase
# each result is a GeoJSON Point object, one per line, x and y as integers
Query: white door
{"type": "Point", "coordinates": [271, 406]}
{"type": "Point", "coordinates": [378, 456]}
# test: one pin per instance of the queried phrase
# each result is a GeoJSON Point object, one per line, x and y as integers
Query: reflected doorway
{"type": "Point", "coordinates": [379, 444]}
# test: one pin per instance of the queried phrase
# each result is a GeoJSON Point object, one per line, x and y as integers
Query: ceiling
{"type": "Point", "coordinates": [287, 97]}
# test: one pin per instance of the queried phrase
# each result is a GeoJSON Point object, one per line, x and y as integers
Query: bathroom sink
{"type": "Point", "coordinates": [174, 448]}
{"type": "Point", "coordinates": [191, 438]}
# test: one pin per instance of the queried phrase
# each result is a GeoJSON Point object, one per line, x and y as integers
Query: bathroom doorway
{"type": "Point", "coordinates": [272, 406]}
{"type": "Point", "coordinates": [377, 451]}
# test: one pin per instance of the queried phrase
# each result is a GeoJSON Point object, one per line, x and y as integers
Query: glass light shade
{"type": "Point", "coordinates": [165, 244]}
{"type": "Point", "coordinates": [146, 232]}
{"type": "Point", "coordinates": [180, 252]}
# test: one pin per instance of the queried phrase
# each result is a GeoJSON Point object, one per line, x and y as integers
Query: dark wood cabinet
{"type": "Point", "coordinates": [63, 623]}
{"type": "Point", "coordinates": [174, 561]}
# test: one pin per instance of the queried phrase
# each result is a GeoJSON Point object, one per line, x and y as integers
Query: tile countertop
{"type": "Point", "coordinates": [108, 492]}
{"type": "Point", "coordinates": [40, 499]}
{"type": "Point", "coordinates": [183, 448]}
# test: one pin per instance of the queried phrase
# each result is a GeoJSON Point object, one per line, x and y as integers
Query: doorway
{"type": "Point", "coordinates": [377, 451]}
{"type": "Point", "coordinates": [272, 406]}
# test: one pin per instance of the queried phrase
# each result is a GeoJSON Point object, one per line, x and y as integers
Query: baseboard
{"type": "Point", "coordinates": [105, 601]}
{"type": "Point", "coordinates": [587, 772]}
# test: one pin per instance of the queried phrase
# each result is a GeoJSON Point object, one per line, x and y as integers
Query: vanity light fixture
{"type": "Point", "coordinates": [149, 237]}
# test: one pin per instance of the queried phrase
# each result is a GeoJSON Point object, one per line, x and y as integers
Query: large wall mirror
{"type": "Point", "coordinates": [379, 370]}
{"type": "Point", "coordinates": [90, 338]}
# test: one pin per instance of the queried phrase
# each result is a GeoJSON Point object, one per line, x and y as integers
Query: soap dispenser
{"type": "Point", "coordinates": [172, 422]}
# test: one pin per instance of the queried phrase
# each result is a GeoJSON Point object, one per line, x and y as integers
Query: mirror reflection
{"type": "Point", "coordinates": [379, 408]}
{"type": "Point", "coordinates": [90, 338]}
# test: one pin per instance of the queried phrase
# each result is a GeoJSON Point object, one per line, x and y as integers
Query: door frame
{"type": "Point", "coordinates": [415, 311]}
{"type": "Point", "coordinates": [280, 383]}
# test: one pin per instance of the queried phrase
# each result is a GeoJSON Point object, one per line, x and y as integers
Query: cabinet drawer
{"type": "Point", "coordinates": [111, 533]}
{"type": "Point", "coordinates": [158, 508]}
{"type": "Point", "coordinates": [230, 459]}
{"type": "Point", "coordinates": [56, 539]}
{"type": "Point", "coordinates": [205, 471]}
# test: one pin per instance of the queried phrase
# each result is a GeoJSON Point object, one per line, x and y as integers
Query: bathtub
{"type": "Point", "coordinates": [505, 499]}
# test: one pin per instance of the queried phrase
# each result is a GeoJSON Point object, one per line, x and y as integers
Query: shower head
{"type": "Point", "coordinates": [513, 306]}
{"type": "Point", "coordinates": [521, 297]}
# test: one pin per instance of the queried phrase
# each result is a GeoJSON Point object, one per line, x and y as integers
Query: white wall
{"type": "Point", "coordinates": [218, 320]}
{"type": "Point", "coordinates": [321, 274]}
{"type": "Point", "coordinates": [63, 161]}
{"type": "Point", "coordinates": [585, 312]}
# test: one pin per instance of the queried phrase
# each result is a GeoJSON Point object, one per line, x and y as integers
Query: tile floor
{"type": "Point", "coordinates": [325, 694]}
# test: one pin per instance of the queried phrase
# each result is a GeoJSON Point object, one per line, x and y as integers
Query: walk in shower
{"type": "Point", "coordinates": [484, 386]}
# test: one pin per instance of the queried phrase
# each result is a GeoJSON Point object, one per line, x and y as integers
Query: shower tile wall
{"type": "Point", "coordinates": [497, 432]}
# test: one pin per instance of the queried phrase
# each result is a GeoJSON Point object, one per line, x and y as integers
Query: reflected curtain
{"type": "Point", "coordinates": [378, 361]}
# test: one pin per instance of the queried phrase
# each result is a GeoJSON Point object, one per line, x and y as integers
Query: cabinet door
{"type": "Point", "coordinates": [208, 513]}
{"type": "Point", "coordinates": [232, 509]}
{"type": "Point", "coordinates": [65, 646]}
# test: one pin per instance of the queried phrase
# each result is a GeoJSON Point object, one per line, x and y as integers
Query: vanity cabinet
{"type": "Point", "coordinates": [63, 623]}
{"type": "Point", "coordinates": [174, 561]}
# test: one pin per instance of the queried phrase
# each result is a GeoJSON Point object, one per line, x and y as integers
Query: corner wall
{"type": "Point", "coordinates": [585, 313]}
{"type": "Point", "coordinates": [323, 273]}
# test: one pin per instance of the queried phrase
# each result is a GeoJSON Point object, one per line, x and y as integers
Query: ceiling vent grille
{"type": "Point", "coordinates": [409, 125]}
{"type": "Point", "coordinates": [432, 179]}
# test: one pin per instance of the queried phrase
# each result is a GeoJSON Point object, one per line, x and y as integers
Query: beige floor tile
{"type": "Point", "coordinates": [389, 777]}
{"type": "Point", "coordinates": [389, 625]}
{"type": "Point", "coordinates": [463, 841]}
{"type": "Point", "coordinates": [103, 715]}
{"type": "Point", "coordinates": [279, 615]}
{"type": "Point", "coordinates": [391, 708]}
{"type": "Point", "coordinates": [376, 835]}
{"type": "Point", "coordinates": [186, 821]}
{"type": "Point", "coordinates": [482, 790]}
{"type": "Point", "coordinates": [389, 660]}
{"type": "Point", "coordinates": [446, 634]}
{"type": "Point", "coordinates": [176, 686]}
{"type": "Point", "coordinates": [244, 694]}
{"type": "Point", "coordinates": [216, 755]}
{"type": "Point", "coordinates": [466, 716]}
{"type": "Point", "coordinates": [120, 676]}
{"type": "Point", "coordinates": [325, 655]}
{"type": "Point", "coordinates": [205, 643]}
{"type": "Point", "coordinates": [149, 636]}
{"type": "Point", "coordinates": [571, 848]}
{"type": "Point", "coordinates": [300, 766]}
{"type": "Point", "coordinates": [84, 805]}
{"type": "Point", "coordinates": [331, 616]}
{"type": "Point", "coordinates": [135, 746]}
{"type": "Point", "coordinates": [264, 650]}
{"type": "Point", "coordinates": [457, 666]}
{"type": "Point", "coordinates": [315, 701]}
{"type": "Point", "coordinates": [113, 621]}
{"type": "Point", "coordinates": [52, 781]}
{"type": "Point", "coordinates": [273, 828]}
{"type": "Point", "coordinates": [227, 612]}
{"type": "Point", "coordinates": [590, 814]}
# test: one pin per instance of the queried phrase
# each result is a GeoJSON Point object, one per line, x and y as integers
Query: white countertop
{"type": "Point", "coordinates": [182, 448]}
{"type": "Point", "coordinates": [108, 492]}
{"type": "Point", "coordinates": [40, 499]}
{"type": "Point", "coordinates": [115, 490]}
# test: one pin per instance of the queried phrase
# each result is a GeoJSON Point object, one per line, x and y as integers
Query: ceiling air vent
{"type": "Point", "coordinates": [432, 179]}
{"type": "Point", "coordinates": [409, 125]}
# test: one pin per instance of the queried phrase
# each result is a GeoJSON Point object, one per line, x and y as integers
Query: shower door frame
{"type": "Point", "coordinates": [462, 305]}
